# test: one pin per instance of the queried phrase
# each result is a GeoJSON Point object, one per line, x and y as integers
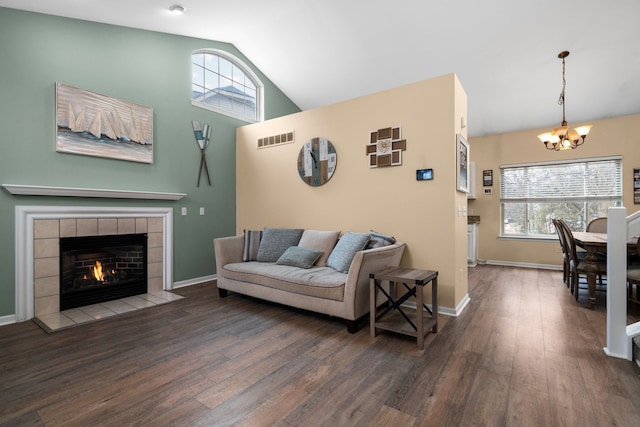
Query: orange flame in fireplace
{"type": "Point", "coordinates": [97, 271]}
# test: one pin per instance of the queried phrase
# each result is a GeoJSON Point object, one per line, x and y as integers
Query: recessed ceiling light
{"type": "Point", "coordinates": [177, 9]}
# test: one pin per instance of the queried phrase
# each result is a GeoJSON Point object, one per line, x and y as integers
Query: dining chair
{"type": "Point", "coordinates": [633, 278]}
{"type": "Point", "coordinates": [563, 247]}
{"type": "Point", "coordinates": [598, 225]}
{"type": "Point", "coordinates": [578, 263]}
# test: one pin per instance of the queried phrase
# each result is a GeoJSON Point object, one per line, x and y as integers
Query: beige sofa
{"type": "Point", "coordinates": [320, 288]}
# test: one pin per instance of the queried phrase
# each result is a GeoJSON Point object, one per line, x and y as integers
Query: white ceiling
{"type": "Point", "coordinates": [319, 52]}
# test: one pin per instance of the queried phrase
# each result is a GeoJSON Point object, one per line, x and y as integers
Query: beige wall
{"type": "Point", "coordinates": [357, 198]}
{"type": "Point", "coordinates": [609, 137]}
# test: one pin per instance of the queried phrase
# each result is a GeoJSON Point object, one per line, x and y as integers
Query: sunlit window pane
{"type": "Point", "coordinates": [197, 91]}
{"type": "Point", "coordinates": [238, 76]}
{"type": "Point", "coordinates": [197, 76]}
{"type": "Point", "coordinates": [225, 68]}
{"type": "Point", "coordinates": [210, 62]}
{"type": "Point", "coordinates": [198, 59]}
{"type": "Point", "coordinates": [211, 80]}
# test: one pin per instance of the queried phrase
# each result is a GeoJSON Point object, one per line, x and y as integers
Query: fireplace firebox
{"type": "Point", "coordinates": [96, 269]}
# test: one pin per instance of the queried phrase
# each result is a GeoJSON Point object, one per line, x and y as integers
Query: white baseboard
{"type": "Point", "coordinates": [461, 305]}
{"type": "Point", "coordinates": [8, 319]}
{"type": "Point", "coordinates": [521, 264]}
{"type": "Point", "coordinates": [447, 311]}
{"type": "Point", "coordinates": [194, 281]}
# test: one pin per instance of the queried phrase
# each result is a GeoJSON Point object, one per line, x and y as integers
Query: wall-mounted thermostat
{"type": "Point", "coordinates": [424, 174]}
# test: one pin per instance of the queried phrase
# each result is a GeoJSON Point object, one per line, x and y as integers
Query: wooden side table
{"type": "Point", "coordinates": [393, 317]}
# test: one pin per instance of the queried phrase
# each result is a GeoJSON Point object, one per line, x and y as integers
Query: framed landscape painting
{"type": "Point", "coordinates": [92, 124]}
{"type": "Point", "coordinates": [462, 164]}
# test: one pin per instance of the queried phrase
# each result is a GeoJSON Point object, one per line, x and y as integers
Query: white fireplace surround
{"type": "Point", "coordinates": [25, 217]}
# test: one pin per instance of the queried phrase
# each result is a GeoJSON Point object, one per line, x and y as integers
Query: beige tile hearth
{"type": "Point", "coordinates": [119, 306]}
{"type": "Point", "coordinates": [90, 313]}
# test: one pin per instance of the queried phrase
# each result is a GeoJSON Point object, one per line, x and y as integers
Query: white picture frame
{"type": "Point", "coordinates": [462, 164]}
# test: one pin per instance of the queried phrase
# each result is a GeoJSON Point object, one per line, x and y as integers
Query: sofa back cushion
{"type": "Point", "coordinates": [345, 250]}
{"type": "Point", "coordinates": [275, 241]}
{"type": "Point", "coordinates": [323, 241]}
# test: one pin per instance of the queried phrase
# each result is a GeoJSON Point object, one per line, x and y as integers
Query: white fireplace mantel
{"type": "Point", "coordinates": [41, 190]}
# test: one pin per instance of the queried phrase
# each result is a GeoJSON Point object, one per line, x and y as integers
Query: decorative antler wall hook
{"type": "Point", "coordinates": [203, 135]}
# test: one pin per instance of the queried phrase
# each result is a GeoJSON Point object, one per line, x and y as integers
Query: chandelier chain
{"type": "Point", "coordinates": [564, 84]}
{"type": "Point", "coordinates": [562, 92]}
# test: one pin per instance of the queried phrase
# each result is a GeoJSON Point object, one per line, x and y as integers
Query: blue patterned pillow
{"type": "Point", "coordinates": [251, 244]}
{"type": "Point", "coordinates": [345, 250]}
{"type": "Point", "coordinates": [296, 256]}
{"type": "Point", "coordinates": [275, 241]}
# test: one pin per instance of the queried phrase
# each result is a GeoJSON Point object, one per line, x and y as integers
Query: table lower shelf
{"type": "Point", "coordinates": [394, 322]}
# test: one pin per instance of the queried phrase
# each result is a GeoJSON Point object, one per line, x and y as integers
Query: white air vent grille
{"type": "Point", "coordinates": [281, 138]}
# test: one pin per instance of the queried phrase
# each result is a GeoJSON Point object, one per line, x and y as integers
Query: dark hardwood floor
{"type": "Point", "coordinates": [523, 353]}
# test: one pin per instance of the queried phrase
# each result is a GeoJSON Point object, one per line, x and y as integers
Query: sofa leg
{"type": "Point", "coordinates": [223, 293]}
{"type": "Point", "coordinates": [352, 326]}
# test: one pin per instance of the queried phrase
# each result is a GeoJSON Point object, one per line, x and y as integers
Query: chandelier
{"type": "Point", "coordinates": [562, 138]}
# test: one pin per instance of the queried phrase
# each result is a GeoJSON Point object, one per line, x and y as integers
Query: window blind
{"type": "Point", "coordinates": [583, 180]}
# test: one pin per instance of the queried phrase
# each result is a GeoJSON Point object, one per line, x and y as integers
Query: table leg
{"type": "Point", "coordinates": [434, 303]}
{"type": "Point", "coordinates": [392, 292]}
{"type": "Point", "coordinates": [592, 271]}
{"type": "Point", "coordinates": [373, 303]}
{"type": "Point", "coordinates": [419, 316]}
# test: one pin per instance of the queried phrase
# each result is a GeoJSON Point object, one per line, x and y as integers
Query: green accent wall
{"type": "Point", "coordinates": [148, 68]}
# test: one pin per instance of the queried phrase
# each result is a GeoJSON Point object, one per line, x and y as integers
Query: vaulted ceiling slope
{"type": "Point", "coordinates": [503, 51]}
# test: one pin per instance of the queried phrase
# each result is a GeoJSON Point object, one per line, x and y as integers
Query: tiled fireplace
{"type": "Point", "coordinates": [40, 228]}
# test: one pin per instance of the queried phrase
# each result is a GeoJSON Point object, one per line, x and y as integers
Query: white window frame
{"type": "Point", "coordinates": [529, 200]}
{"type": "Point", "coordinates": [247, 71]}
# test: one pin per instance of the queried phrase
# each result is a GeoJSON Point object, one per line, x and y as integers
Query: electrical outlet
{"type": "Point", "coordinates": [201, 211]}
{"type": "Point", "coordinates": [184, 211]}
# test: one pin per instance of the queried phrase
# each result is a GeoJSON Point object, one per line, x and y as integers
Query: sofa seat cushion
{"type": "Point", "coordinates": [321, 282]}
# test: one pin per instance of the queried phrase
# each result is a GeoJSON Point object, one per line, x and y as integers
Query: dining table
{"type": "Point", "coordinates": [595, 243]}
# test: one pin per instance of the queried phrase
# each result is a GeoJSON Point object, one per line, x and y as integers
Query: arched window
{"type": "Point", "coordinates": [223, 83]}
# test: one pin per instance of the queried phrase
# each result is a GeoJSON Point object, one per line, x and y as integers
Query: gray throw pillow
{"type": "Point", "coordinates": [275, 241]}
{"type": "Point", "coordinates": [296, 256]}
{"type": "Point", "coordinates": [345, 250]}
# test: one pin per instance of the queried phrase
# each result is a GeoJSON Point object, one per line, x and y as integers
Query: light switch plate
{"type": "Point", "coordinates": [184, 211]}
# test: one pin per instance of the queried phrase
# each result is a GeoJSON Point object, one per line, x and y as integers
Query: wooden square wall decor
{"type": "Point", "coordinates": [385, 147]}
